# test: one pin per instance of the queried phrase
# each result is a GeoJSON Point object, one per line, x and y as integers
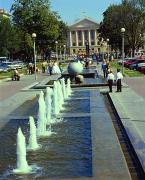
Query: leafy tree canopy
{"type": "Point", "coordinates": [35, 16]}
{"type": "Point", "coordinates": [9, 38]}
{"type": "Point", "coordinates": [126, 15]}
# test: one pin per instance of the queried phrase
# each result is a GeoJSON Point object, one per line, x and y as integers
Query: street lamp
{"type": "Point", "coordinates": [56, 43]}
{"type": "Point", "coordinates": [64, 51]}
{"type": "Point", "coordinates": [102, 48]}
{"type": "Point", "coordinates": [122, 32]}
{"type": "Point", "coordinates": [34, 37]}
{"type": "Point", "coordinates": [108, 48]}
{"type": "Point", "coordinates": [87, 49]}
{"type": "Point", "coordinates": [60, 54]}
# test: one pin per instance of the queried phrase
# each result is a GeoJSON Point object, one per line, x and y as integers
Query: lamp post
{"type": "Point", "coordinates": [87, 49]}
{"type": "Point", "coordinates": [108, 48]}
{"type": "Point", "coordinates": [34, 37]}
{"type": "Point", "coordinates": [60, 54]}
{"type": "Point", "coordinates": [102, 48]}
{"type": "Point", "coordinates": [64, 51]}
{"type": "Point", "coordinates": [56, 43]}
{"type": "Point", "coordinates": [141, 40]}
{"type": "Point", "coordinates": [122, 32]}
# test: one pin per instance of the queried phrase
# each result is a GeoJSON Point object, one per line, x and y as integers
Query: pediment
{"type": "Point", "coordinates": [85, 23]}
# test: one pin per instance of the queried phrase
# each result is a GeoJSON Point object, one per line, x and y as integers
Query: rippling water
{"type": "Point", "coordinates": [68, 153]}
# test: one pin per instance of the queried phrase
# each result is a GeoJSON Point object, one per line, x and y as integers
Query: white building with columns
{"type": "Point", "coordinates": [84, 30]}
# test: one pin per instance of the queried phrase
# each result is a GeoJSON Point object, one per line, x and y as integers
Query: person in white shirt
{"type": "Point", "coordinates": [118, 79]}
{"type": "Point", "coordinates": [110, 79]}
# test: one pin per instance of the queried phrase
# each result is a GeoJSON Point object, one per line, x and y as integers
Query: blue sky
{"type": "Point", "coordinates": [70, 10]}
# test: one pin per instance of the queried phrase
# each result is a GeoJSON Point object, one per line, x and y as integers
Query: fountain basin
{"type": "Point", "coordinates": [84, 146]}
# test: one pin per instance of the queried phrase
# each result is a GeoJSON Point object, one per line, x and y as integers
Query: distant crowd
{"type": "Point", "coordinates": [51, 67]}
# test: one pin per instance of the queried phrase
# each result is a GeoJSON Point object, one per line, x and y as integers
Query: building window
{"type": "Point", "coordinates": [74, 51]}
{"type": "Point", "coordinates": [73, 32]}
{"type": "Point", "coordinates": [92, 34]}
{"type": "Point", "coordinates": [74, 44]}
{"type": "Point", "coordinates": [80, 43]}
{"type": "Point", "coordinates": [92, 43]}
{"type": "Point", "coordinates": [80, 35]}
{"type": "Point", "coordinates": [86, 35]}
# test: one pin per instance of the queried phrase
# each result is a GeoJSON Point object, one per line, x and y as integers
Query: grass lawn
{"type": "Point", "coordinates": [132, 73]}
{"type": "Point", "coordinates": [128, 72]}
{"type": "Point", "coordinates": [9, 74]}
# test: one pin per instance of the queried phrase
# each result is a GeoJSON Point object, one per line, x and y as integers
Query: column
{"type": "Point", "coordinates": [95, 37]}
{"type": "Point", "coordinates": [83, 38]}
{"type": "Point", "coordinates": [76, 38]}
{"type": "Point", "coordinates": [89, 37]}
{"type": "Point", "coordinates": [70, 38]}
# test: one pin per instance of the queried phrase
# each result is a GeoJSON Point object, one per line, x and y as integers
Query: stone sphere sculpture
{"type": "Point", "coordinates": [75, 68]}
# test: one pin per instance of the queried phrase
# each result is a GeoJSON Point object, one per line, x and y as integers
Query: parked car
{"type": "Point", "coordinates": [3, 59]}
{"type": "Point", "coordinates": [142, 69]}
{"type": "Point", "coordinates": [125, 60]}
{"type": "Point", "coordinates": [10, 65]}
{"type": "Point", "coordinates": [134, 65]}
{"type": "Point", "coordinates": [129, 62]}
{"type": "Point", "coordinates": [140, 66]}
{"type": "Point", "coordinates": [4, 67]}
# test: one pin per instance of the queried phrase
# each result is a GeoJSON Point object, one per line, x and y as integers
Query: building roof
{"type": "Point", "coordinates": [84, 23]}
{"type": "Point", "coordinates": [4, 13]}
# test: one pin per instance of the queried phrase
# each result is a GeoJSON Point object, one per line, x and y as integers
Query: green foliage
{"type": "Point", "coordinates": [128, 15]}
{"type": "Point", "coordinates": [35, 16]}
{"type": "Point", "coordinates": [9, 40]}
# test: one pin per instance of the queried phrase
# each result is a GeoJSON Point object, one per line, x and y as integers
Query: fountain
{"type": "Point", "coordinates": [63, 88]}
{"type": "Point", "coordinates": [33, 145]}
{"type": "Point", "coordinates": [22, 165]}
{"type": "Point", "coordinates": [55, 100]}
{"type": "Point", "coordinates": [42, 121]}
{"type": "Point", "coordinates": [48, 102]}
{"type": "Point", "coordinates": [69, 91]}
{"type": "Point", "coordinates": [71, 151]}
{"type": "Point", "coordinates": [59, 93]}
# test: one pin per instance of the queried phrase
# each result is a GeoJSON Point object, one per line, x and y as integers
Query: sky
{"type": "Point", "coordinates": [72, 10]}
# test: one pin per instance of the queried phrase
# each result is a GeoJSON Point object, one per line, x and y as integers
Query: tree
{"type": "Point", "coordinates": [126, 15]}
{"type": "Point", "coordinates": [9, 38]}
{"type": "Point", "coordinates": [35, 16]}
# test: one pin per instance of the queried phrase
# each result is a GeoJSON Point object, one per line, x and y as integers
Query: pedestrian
{"type": "Point", "coordinates": [104, 68]}
{"type": "Point", "coordinates": [87, 64]}
{"type": "Point", "coordinates": [43, 66]}
{"type": "Point", "coordinates": [118, 79]}
{"type": "Point", "coordinates": [110, 79]}
{"type": "Point", "coordinates": [16, 75]}
{"type": "Point", "coordinates": [50, 68]}
{"type": "Point", "coordinates": [94, 57]}
{"type": "Point", "coordinates": [60, 67]}
{"type": "Point", "coordinates": [30, 67]}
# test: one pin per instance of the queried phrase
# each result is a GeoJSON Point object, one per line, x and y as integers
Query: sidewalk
{"type": "Point", "coordinates": [131, 110]}
{"type": "Point", "coordinates": [8, 88]}
{"type": "Point", "coordinates": [12, 94]}
{"type": "Point", "coordinates": [137, 84]}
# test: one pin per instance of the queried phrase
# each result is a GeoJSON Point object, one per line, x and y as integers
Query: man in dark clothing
{"type": "Point", "coordinates": [110, 79]}
{"type": "Point", "coordinates": [119, 78]}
